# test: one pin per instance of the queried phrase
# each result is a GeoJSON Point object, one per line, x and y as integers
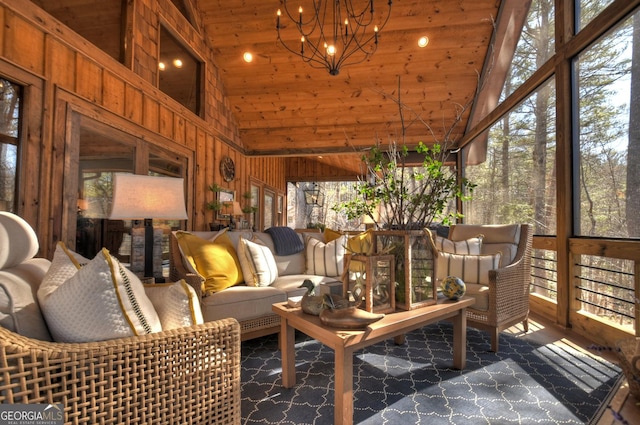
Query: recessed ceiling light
{"type": "Point", "coordinates": [248, 57]}
{"type": "Point", "coordinates": [423, 41]}
{"type": "Point", "coordinates": [161, 66]}
{"type": "Point", "coordinates": [177, 63]}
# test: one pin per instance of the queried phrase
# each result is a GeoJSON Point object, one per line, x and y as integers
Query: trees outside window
{"type": "Point", "coordinates": [607, 137]}
{"type": "Point", "coordinates": [10, 104]}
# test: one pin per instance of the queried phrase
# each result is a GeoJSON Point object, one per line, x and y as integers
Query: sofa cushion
{"type": "Point", "coordinates": [241, 302]}
{"type": "Point", "coordinates": [102, 300]}
{"type": "Point", "coordinates": [503, 238]}
{"type": "Point", "coordinates": [176, 303]}
{"type": "Point", "coordinates": [469, 268]}
{"type": "Point", "coordinates": [217, 261]}
{"type": "Point", "coordinates": [15, 229]}
{"type": "Point", "coordinates": [325, 259]}
{"type": "Point", "coordinates": [19, 307]}
{"type": "Point", "coordinates": [258, 264]}
{"type": "Point", "coordinates": [20, 277]}
{"type": "Point", "coordinates": [481, 295]}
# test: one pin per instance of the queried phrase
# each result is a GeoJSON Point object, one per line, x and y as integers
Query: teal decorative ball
{"type": "Point", "coordinates": [453, 288]}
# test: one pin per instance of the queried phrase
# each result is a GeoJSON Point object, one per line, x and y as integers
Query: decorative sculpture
{"type": "Point", "coordinates": [338, 314]}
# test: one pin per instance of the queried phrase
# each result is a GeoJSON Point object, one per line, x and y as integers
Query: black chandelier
{"type": "Point", "coordinates": [336, 33]}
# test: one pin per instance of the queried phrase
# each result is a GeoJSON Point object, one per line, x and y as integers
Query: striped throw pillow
{"type": "Point", "coordinates": [469, 268]}
{"type": "Point", "coordinates": [325, 259]}
{"type": "Point", "coordinates": [466, 247]}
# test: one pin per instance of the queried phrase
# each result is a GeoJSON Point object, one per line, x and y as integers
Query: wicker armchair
{"type": "Point", "coordinates": [507, 294]}
{"type": "Point", "coordinates": [186, 376]}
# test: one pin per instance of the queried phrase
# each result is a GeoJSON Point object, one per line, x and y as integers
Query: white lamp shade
{"type": "Point", "coordinates": [138, 197]}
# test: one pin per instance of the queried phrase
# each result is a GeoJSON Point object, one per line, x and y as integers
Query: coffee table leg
{"type": "Point", "coordinates": [287, 351]}
{"type": "Point", "coordinates": [343, 413]}
{"type": "Point", "coordinates": [460, 339]}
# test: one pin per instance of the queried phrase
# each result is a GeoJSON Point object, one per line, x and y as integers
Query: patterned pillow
{"type": "Point", "coordinates": [101, 300]}
{"type": "Point", "coordinates": [258, 264]}
{"type": "Point", "coordinates": [325, 259]}
{"type": "Point", "coordinates": [177, 304]}
{"type": "Point", "coordinates": [469, 268]}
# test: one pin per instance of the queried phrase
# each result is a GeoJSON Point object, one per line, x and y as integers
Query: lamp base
{"type": "Point", "coordinates": [138, 252]}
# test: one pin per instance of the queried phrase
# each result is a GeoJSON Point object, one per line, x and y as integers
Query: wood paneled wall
{"type": "Point", "coordinates": [63, 73]}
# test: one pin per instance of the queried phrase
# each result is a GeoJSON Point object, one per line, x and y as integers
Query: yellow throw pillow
{"type": "Point", "coordinates": [362, 243]}
{"type": "Point", "coordinates": [217, 261]}
{"type": "Point", "coordinates": [331, 235]}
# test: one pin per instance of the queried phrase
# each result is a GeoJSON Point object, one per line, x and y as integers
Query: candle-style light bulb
{"type": "Point", "coordinates": [300, 12]}
{"type": "Point", "coordinates": [278, 13]}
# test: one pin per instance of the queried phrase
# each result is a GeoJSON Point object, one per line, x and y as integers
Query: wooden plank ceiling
{"type": "Point", "coordinates": [285, 107]}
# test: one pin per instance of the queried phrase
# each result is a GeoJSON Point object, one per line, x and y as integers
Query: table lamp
{"type": "Point", "coordinates": [139, 197]}
{"type": "Point", "coordinates": [236, 211]}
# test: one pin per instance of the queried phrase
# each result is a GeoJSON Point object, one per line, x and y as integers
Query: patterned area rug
{"type": "Point", "coordinates": [414, 383]}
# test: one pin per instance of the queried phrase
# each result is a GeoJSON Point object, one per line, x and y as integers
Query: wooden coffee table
{"type": "Point", "coordinates": [344, 342]}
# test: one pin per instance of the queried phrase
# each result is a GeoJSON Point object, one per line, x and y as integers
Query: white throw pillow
{"type": "Point", "coordinates": [64, 265]}
{"type": "Point", "coordinates": [258, 264]}
{"type": "Point", "coordinates": [325, 259]}
{"type": "Point", "coordinates": [177, 304]}
{"type": "Point", "coordinates": [469, 268]}
{"type": "Point", "coordinates": [470, 246]}
{"type": "Point", "coordinates": [101, 300]}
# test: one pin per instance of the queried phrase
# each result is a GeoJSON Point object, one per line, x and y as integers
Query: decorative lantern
{"type": "Point", "coordinates": [415, 265]}
{"type": "Point", "coordinates": [370, 280]}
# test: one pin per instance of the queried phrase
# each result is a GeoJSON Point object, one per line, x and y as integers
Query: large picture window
{"type": "Point", "coordinates": [607, 174]}
{"type": "Point", "coordinates": [516, 183]}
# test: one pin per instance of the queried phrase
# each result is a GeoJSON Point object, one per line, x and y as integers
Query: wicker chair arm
{"type": "Point", "coordinates": [185, 375]}
{"type": "Point", "coordinates": [508, 290]}
{"type": "Point", "coordinates": [178, 271]}
{"type": "Point", "coordinates": [507, 284]}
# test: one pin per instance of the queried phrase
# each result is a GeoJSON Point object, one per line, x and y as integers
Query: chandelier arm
{"type": "Point", "coordinates": [348, 37]}
{"type": "Point", "coordinates": [358, 17]}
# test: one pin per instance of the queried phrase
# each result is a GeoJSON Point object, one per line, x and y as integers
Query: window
{"type": "Point", "coordinates": [101, 156]}
{"type": "Point", "coordinates": [589, 9]}
{"type": "Point", "coordinates": [103, 152]}
{"type": "Point", "coordinates": [10, 104]}
{"type": "Point", "coordinates": [516, 183]}
{"type": "Point", "coordinates": [303, 212]}
{"type": "Point", "coordinates": [607, 173]}
{"type": "Point", "coordinates": [99, 22]}
{"type": "Point", "coordinates": [535, 47]}
{"type": "Point", "coordinates": [180, 72]}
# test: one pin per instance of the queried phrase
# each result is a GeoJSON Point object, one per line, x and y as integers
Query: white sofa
{"type": "Point", "coordinates": [251, 305]}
